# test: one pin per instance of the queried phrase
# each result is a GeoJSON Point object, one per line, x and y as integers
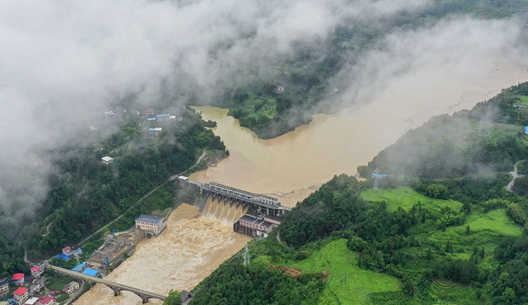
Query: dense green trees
{"type": "Point", "coordinates": [257, 284]}
{"type": "Point", "coordinates": [85, 194]}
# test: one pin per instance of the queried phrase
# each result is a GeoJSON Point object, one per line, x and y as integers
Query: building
{"type": "Point", "coordinates": [47, 301]}
{"type": "Point", "coordinates": [36, 286]}
{"type": "Point", "coordinates": [149, 112]}
{"type": "Point", "coordinates": [66, 250]}
{"type": "Point", "coordinates": [31, 301]}
{"type": "Point", "coordinates": [163, 117]}
{"type": "Point", "coordinates": [154, 225]}
{"type": "Point", "coordinates": [526, 130]}
{"type": "Point", "coordinates": [18, 278]}
{"type": "Point", "coordinates": [155, 132]}
{"type": "Point", "coordinates": [36, 271]}
{"type": "Point", "coordinates": [4, 287]}
{"type": "Point", "coordinates": [71, 287]}
{"type": "Point", "coordinates": [107, 159]}
{"type": "Point", "coordinates": [280, 89]}
{"type": "Point", "coordinates": [90, 272]}
{"type": "Point", "coordinates": [151, 120]}
{"type": "Point", "coordinates": [20, 295]}
{"type": "Point", "coordinates": [255, 226]}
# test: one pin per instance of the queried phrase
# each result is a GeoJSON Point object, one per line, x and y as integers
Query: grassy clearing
{"type": "Point", "coordinates": [446, 292]}
{"type": "Point", "coordinates": [524, 99]}
{"type": "Point", "coordinates": [406, 198]}
{"type": "Point", "coordinates": [487, 229]}
{"type": "Point", "coordinates": [346, 283]}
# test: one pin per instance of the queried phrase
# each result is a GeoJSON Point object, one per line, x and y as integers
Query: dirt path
{"type": "Point", "coordinates": [510, 185]}
{"type": "Point", "coordinates": [47, 229]}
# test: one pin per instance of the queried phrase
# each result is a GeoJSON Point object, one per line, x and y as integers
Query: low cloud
{"type": "Point", "coordinates": [63, 63]}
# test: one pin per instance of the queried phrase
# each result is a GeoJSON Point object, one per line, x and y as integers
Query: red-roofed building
{"type": "Point", "coordinates": [47, 301]}
{"type": "Point", "coordinates": [66, 250]}
{"type": "Point", "coordinates": [20, 295]}
{"type": "Point", "coordinates": [18, 278]}
{"type": "Point", "coordinates": [36, 271]}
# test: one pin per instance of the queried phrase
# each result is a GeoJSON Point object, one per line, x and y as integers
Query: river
{"type": "Point", "coordinates": [292, 166]}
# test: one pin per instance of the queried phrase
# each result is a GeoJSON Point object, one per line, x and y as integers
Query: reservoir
{"type": "Point", "coordinates": [292, 166]}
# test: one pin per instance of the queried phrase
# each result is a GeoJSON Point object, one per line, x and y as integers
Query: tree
{"type": "Point", "coordinates": [173, 298]}
{"type": "Point", "coordinates": [468, 230]}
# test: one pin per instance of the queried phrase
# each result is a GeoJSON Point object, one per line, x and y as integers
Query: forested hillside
{"type": "Point", "coordinates": [292, 88]}
{"type": "Point", "coordinates": [441, 228]}
{"type": "Point", "coordinates": [86, 194]}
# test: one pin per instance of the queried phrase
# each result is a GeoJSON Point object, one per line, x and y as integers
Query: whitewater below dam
{"type": "Point", "coordinates": [294, 165]}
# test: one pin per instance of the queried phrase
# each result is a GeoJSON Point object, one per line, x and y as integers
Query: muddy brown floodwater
{"type": "Point", "coordinates": [294, 165]}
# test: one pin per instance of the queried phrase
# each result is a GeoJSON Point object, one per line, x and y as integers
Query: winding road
{"type": "Point", "coordinates": [510, 185]}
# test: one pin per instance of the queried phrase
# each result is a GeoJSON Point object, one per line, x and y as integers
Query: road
{"type": "Point", "coordinates": [140, 199]}
{"type": "Point", "coordinates": [110, 284]}
{"type": "Point", "coordinates": [510, 185]}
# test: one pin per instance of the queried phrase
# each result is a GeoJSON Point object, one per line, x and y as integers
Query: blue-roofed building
{"type": "Point", "coordinates": [152, 224]}
{"type": "Point", "coordinates": [79, 267]}
{"type": "Point", "coordinates": [163, 117]}
{"type": "Point", "coordinates": [526, 130]}
{"type": "Point", "coordinates": [90, 272]}
{"type": "Point", "coordinates": [77, 252]}
{"type": "Point", "coordinates": [151, 119]}
{"type": "Point", "coordinates": [63, 256]}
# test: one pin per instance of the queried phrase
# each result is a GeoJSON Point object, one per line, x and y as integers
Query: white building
{"type": "Point", "coordinates": [152, 224]}
{"type": "Point", "coordinates": [107, 160]}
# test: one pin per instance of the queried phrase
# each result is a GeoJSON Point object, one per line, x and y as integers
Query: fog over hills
{"type": "Point", "coordinates": [64, 63]}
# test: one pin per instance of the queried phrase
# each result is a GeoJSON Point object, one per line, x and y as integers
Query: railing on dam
{"type": "Point", "coordinates": [258, 199]}
{"type": "Point", "coordinates": [143, 294]}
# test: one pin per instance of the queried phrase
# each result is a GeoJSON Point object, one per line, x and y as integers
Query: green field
{"type": "Point", "coordinates": [406, 198]}
{"type": "Point", "coordinates": [346, 283]}
{"type": "Point", "coordinates": [524, 99]}
{"type": "Point", "coordinates": [487, 229]}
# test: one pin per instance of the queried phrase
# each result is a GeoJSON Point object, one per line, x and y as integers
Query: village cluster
{"type": "Point", "coordinates": [31, 289]}
{"type": "Point", "coordinates": [154, 130]}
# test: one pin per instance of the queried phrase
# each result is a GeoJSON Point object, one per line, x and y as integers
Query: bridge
{"type": "Point", "coordinates": [116, 287]}
{"type": "Point", "coordinates": [256, 203]}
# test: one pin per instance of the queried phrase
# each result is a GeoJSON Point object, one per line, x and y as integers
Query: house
{"type": "Point", "coordinates": [90, 272]}
{"type": "Point", "coordinates": [110, 113]}
{"type": "Point", "coordinates": [151, 119]}
{"type": "Point", "coordinates": [31, 301]}
{"type": "Point", "coordinates": [172, 117]}
{"type": "Point", "coordinates": [155, 132]}
{"type": "Point", "coordinates": [149, 112]}
{"type": "Point", "coordinates": [47, 301]}
{"type": "Point", "coordinates": [280, 89]}
{"type": "Point", "coordinates": [79, 267]}
{"type": "Point", "coordinates": [63, 256]}
{"type": "Point", "coordinates": [77, 252]}
{"type": "Point", "coordinates": [35, 287]}
{"type": "Point", "coordinates": [4, 286]}
{"type": "Point", "coordinates": [97, 147]}
{"type": "Point", "coordinates": [163, 117]}
{"type": "Point", "coordinates": [254, 226]}
{"type": "Point", "coordinates": [152, 224]}
{"type": "Point", "coordinates": [66, 250]}
{"type": "Point", "coordinates": [107, 159]}
{"type": "Point", "coordinates": [20, 295]}
{"type": "Point", "coordinates": [18, 278]}
{"type": "Point", "coordinates": [36, 271]}
{"type": "Point", "coordinates": [70, 287]}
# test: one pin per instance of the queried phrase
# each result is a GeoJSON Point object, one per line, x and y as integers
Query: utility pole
{"type": "Point", "coordinates": [246, 256]}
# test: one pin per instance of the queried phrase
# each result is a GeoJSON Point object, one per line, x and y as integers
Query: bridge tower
{"type": "Point", "coordinates": [246, 256]}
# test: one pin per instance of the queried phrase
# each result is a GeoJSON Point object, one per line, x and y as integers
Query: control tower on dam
{"type": "Point", "coordinates": [256, 204]}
